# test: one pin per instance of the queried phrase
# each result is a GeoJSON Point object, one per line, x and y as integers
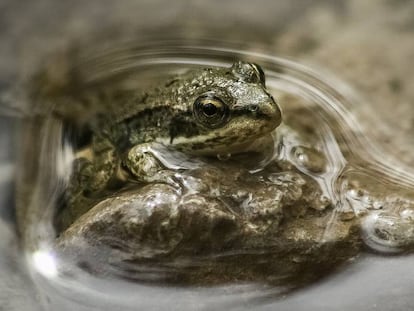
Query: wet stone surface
{"type": "Point", "coordinates": [221, 224]}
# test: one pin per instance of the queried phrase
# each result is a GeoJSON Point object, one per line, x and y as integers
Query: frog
{"type": "Point", "coordinates": [203, 112]}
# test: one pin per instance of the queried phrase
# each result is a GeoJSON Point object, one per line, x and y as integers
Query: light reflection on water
{"type": "Point", "coordinates": [348, 156]}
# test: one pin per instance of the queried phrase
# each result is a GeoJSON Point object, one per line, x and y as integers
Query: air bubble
{"type": "Point", "coordinates": [309, 159]}
{"type": "Point", "coordinates": [387, 233]}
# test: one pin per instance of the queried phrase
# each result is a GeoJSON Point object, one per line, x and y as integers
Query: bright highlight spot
{"type": "Point", "coordinates": [45, 263]}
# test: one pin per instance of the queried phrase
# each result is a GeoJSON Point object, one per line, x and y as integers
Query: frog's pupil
{"type": "Point", "coordinates": [209, 109]}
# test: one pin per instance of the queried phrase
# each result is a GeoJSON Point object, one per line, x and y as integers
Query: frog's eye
{"type": "Point", "coordinates": [210, 110]}
{"type": "Point", "coordinates": [249, 72]}
{"type": "Point", "coordinates": [259, 73]}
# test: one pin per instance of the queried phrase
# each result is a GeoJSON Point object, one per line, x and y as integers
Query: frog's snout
{"type": "Point", "coordinates": [271, 111]}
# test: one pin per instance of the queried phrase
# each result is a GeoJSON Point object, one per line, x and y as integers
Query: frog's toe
{"type": "Point", "coordinates": [143, 165]}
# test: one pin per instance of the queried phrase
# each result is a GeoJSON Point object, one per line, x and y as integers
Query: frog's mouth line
{"type": "Point", "coordinates": [254, 113]}
{"type": "Point", "coordinates": [231, 141]}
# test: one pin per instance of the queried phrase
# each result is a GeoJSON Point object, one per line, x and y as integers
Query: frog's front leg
{"type": "Point", "coordinates": [142, 162]}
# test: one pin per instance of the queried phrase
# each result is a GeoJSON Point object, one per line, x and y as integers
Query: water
{"type": "Point", "coordinates": [365, 199]}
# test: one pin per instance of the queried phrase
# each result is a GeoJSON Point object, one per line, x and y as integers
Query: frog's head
{"type": "Point", "coordinates": [226, 110]}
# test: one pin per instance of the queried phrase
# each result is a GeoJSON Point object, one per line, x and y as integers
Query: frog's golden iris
{"type": "Point", "coordinates": [210, 110]}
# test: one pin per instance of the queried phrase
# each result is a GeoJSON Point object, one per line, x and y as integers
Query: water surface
{"type": "Point", "coordinates": [364, 186]}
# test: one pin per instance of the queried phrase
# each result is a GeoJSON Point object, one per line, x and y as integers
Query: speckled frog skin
{"type": "Point", "coordinates": [209, 111]}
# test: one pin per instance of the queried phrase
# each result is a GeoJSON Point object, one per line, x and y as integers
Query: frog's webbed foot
{"type": "Point", "coordinates": [144, 165]}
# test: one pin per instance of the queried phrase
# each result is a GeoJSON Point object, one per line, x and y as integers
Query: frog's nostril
{"type": "Point", "coordinates": [254, 108]}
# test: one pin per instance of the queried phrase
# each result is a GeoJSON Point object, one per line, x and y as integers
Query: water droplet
{"type": "Point", "coordinates": [387, 233]}
{"type": "Point", "coordinates": [308, 159]}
